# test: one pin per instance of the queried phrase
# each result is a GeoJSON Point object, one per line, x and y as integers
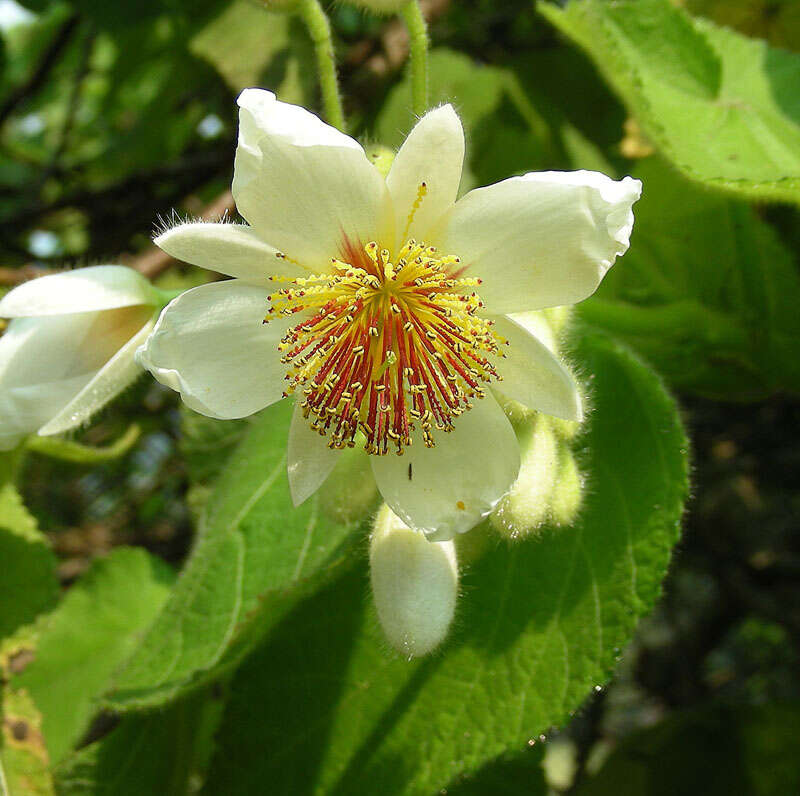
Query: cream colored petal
{"type": "Point", "coordinates": [98, 287]}
{"type": "Point", "coordinates": [309, 459]}
{"type": "Point", "coordinates": [46, 362]}
{"type": "Point", "coordinates": [211, 346]}
{"type": "Point", "coordinates": [118, 373]}
{"type": "Point", "coordinates": [543, 239]}
{"type": "Point", "coordinates": [232, 249]}
{"type": "Point", "coordinates": [432, 154]}
{"type": "Point", "coordinates": [453, 486]}
{"type": "Point", "coordinates": [304, 186]}
{"type": "Point", "coordinates": [533, 376]}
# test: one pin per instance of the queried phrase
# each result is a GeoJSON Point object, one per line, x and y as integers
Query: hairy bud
{"type": "Point", "coordinates": [525, 507]}
{"type": "Point", "coordinates": [565, 501]}
{"type": "Point", "coordinates": [414, 585]}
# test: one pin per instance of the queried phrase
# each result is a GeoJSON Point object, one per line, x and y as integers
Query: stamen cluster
{"type": "Point", "coordinates": [385, 345]}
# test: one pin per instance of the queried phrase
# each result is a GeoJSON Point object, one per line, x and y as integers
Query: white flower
{"type": "Point", "coordinates": [70, 348]}
{"type": "Point", "coordinates": [374, 331]}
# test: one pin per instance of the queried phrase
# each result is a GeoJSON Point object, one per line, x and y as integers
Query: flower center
{"type": "Point", "coordinates": [385, 345]}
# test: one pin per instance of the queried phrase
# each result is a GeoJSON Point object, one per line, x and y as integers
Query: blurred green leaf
{"type": "Point", "coordinates": [707, 292]}
{"type": "Point", "coordinates": [723, 108]}
{"type": "Point", "coordinates": [251, 46]}
{"type": "Point", "coordinates": [87, 635]}
{"type": "Point", "coordinates": [322, 708]}
{"type": "Point", "coordinates": [162, 752]}
{"type": "Point", "coordinates": [749, 751]}
{"type": "Point", "coordinates": [777, 21]}
{"type": "Point", "coordinates": [255, 555]}
{"type": "Point", "coordinates": [28, 584]}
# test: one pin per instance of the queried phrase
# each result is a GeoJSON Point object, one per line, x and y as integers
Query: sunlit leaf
{"type": "Point", "coordinates": [28, 583]}
{"type": "Point", "coordinates": [723, 108]}
{"type": "Point", "coordinates": [255, 555]}
{"type": "Point", "coordinates": [85, 638]}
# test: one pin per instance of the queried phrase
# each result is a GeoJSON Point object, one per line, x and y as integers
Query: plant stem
{"type": "Point", "coordinates": [418, 33]}
{"type": "Point", "coordinates": [319, 29]}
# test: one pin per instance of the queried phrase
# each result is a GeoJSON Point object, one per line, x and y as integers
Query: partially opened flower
{"type": "Point", "coordinates": [381, 306]}
{"type": "Point", "coordinates": [70, 348]}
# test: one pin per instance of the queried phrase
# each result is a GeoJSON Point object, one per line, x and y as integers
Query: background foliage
{"type": "Point", "coordinates": [170, 625]}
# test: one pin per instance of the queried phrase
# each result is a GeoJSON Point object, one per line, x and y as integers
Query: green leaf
{"type": "Point", "coordinates": [162, 752]}
{"type": "Point", "coordinates": [28, 584]}
{"type": "Point", "coordinates": [206, 444]}
{"type": "Point", "coordinates": [723, 108]}
{"type": "Point", "coordinates": [87, 635]}
{"type": "Point", "coordinates": [707, 292]}
{"type": "Point", "coordinates": [323, 708]}
{"type": "Point", "coordinates": [256, 553]}
{"type": "Point", "coordinates": [716, 751]}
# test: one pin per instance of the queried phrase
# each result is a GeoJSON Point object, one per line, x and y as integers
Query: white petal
{"type": "Point", "coordinates": [99, 287]}
{"type": "Point", "coordinates": [543, 239]}
{"type": "Point", "coordinates": [303, 185]}
{"type": "Point", "coordinates": [46, 362]}
{"type": "Point", "coordinates": [533, 376]}
{"type": "Point", "coordinates": [310, 460]}
{"type": "Point", "coordinates": [119, 372]}
{"type": "Point", "coordinates": [211, 346]}
{"type": "Point", "coordinates": [232, 249]}
{"type": "Point", "coordinates": [433, 153]}
{"type": "Point", "coordinates": [457, 483]}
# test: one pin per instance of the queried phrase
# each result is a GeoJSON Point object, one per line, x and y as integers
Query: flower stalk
{"type": "Point", "coordinates": [319, 28]}
{"type": "Point", "coordinates": [418, 33]}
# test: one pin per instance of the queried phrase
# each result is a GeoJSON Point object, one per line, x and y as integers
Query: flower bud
{"type": "Point", "coordinates": [565, 501]}
{"type": "Point", "coordinates": [70, 347]}
{"type": "Point", "coordinates": [525, 507]}
{"type": "Point", "coordinates": [414, 585]}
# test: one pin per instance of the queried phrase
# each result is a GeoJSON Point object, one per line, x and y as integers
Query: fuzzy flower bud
{"type": "Point", "coordinates": [565, 500]}
{"type": "Point", "coordinates": [414, 585]}
{"type": "Point", "coordinates": [525, 507]}
{"type": "Point", "coordinates": [70, 347]}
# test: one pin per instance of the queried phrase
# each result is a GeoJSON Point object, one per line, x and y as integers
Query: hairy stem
{"type": "Point", "coordinates": [418, 34]}
{"type": "Point", "coordinates": [319, 29]}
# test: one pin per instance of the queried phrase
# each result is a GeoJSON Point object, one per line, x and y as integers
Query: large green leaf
{"type": "Point", "coordinates": [322, 707]}
{"type": "Point", "coordinates": [707, 292]}
{"type": "Point", "coordinates": [28, 584]}
{"type": "Point", "coordinates": [255, 554]}
{"type": "Point", "coordinates": [723, 108]}
{"type": "Point", "coordinates": [85, 638]}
